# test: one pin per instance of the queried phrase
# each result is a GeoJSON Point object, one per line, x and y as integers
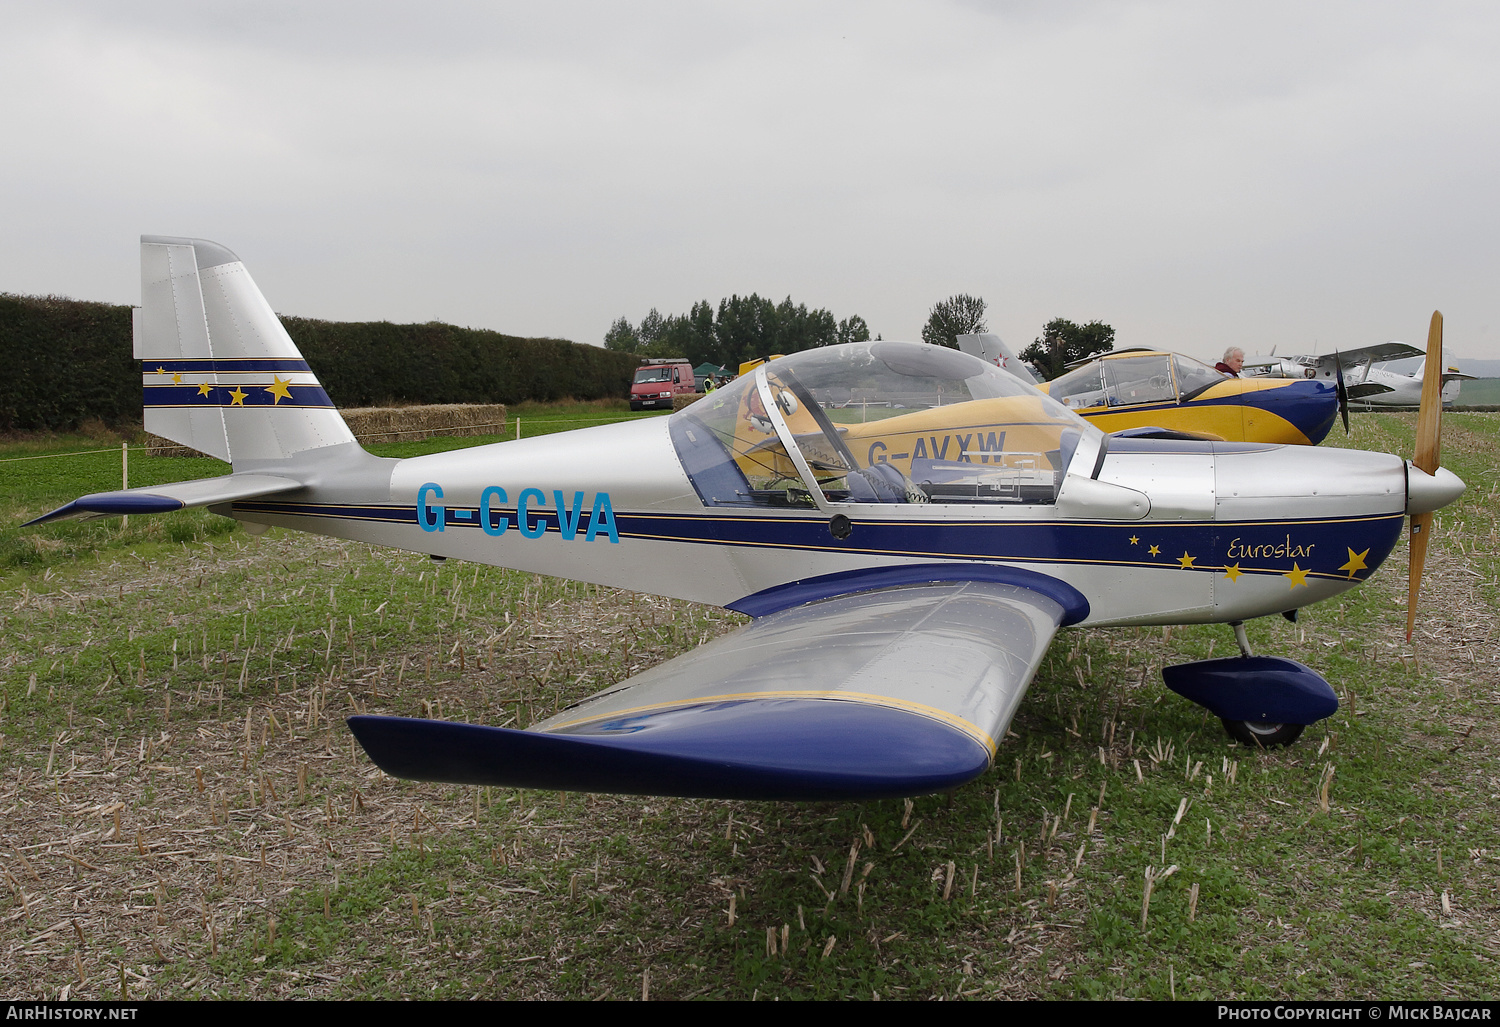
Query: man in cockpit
{"type": "Point", "coordinates": [1233, 362]}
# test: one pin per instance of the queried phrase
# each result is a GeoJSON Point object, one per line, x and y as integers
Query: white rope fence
{"type": "Point", "coordinates": [54, 456]}
{"type": "Point", "coordinates": [125, 446]}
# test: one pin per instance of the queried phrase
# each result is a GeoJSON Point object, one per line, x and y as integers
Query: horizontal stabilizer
{"type": "Point", "coordinates": [165, 498]}
{"type": "Point", "coordinates": [756, 749]}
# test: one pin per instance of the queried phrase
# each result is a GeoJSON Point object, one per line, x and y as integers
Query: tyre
{"type": "Point", "coordinates": [1258, 734]}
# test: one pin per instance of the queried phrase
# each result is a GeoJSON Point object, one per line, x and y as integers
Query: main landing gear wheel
{"type": "Point", "coordinates": [1260, 735]}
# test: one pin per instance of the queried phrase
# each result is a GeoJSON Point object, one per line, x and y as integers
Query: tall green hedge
{"type": "Point", "coordinates": [368, 363]}
{"type": "Point", "coordinates": [65, 361]}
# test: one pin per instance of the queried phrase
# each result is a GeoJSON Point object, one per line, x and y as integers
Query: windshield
{"type": "Point", "coordinates": [879, 422]}
{"type": "Point", "coordinates": [660, 373]}
{"type": "Point", "coordinates": [1118, 382]}
{"type": "Point", "coordinates": [1193, 376]}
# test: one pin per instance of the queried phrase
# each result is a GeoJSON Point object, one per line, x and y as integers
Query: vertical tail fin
{"type": "Point", "coordinates": [219, 372]}
{"type": "Point", "coordinates": [992, 349]}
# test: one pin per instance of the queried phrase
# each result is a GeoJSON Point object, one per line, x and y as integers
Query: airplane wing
{"type": "Point", "coordinates": [165, 498]}
{"type": "Point", "coordinates": [1376, 354]}
{"type": "Point", "coordinates": [897, 691]}
{"type": "Point", "coordinates": [1270, 361]}
{"type": "Point", "coordinates": [1364, 390]}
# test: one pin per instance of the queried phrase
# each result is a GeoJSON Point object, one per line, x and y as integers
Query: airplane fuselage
{"type": "Point", "coordinates": [1232, 531]}
{"type": "Point", "coordinates": [1406, 390]}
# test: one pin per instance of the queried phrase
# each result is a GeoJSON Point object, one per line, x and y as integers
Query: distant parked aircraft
{"type": "Point", "coordinates": [1142, 390]}
{"type": "Point", "coordinates": [1367, 384]}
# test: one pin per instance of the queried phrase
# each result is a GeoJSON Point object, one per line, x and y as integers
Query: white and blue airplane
{"type": "Point", "coordinates": [1365, 383]}
{"type": "Point", "coordinates": [907, 525]}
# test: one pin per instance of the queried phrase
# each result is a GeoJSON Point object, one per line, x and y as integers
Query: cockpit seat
{"type": "Point", "coordinates": [878, 483]}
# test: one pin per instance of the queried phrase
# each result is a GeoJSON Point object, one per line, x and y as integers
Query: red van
{"type": "Point", "coordinates": [658, 380]}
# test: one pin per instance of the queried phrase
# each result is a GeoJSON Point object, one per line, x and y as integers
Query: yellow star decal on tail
{"type": "Point", "coordinates": [1185, 561]}
{"type": "Point", "coordinates": [279, 389]}
{"type": "Point", "coordinates": [1154, 551]}
{"type": "Point", "coordinates": [237, 397]}
{"type": "Point", "coordinates": [1356, 562]}
{"type": "Point", "coordinates": [204, 388]}
{"type": "Point", "coordinates": [1233, 572]}
{"type": "Point", "coordinates": [1297, 575]}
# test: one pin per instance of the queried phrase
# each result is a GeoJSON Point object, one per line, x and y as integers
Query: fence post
{"type": "Point", "coordinates": [125, 476]}
{"type": "Point", "coordinates": [518, 429]}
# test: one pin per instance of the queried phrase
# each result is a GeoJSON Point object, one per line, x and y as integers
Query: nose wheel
{"type": "Point", "coordinates": [1257, 733]}
{"type": "Point", "coordinates": [1262, 701]}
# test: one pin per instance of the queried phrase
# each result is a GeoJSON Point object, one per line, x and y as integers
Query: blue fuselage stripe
{"type": "Point", "coordinates": [1319, 546]}
{"type": "Point", "coordinates": [1308, 406]}
{"type": "Point", "coordinates": [241, 365]}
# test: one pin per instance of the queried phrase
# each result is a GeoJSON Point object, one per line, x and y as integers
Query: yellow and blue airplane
{"type": "Point", "coordinates": [1136, 390]}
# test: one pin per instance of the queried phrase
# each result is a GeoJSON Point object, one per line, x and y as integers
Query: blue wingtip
{"type": "Point", "coordinates": [110, 504]}
{"type": "Point", "coordinates": [757, 749]}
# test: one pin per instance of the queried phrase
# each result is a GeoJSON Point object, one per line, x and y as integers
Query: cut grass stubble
{"type": "Point", "coordinates": [187, 815]}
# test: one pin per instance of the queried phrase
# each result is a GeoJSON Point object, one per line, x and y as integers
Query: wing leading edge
{"type": "Point", "coordinates": [901, 691]}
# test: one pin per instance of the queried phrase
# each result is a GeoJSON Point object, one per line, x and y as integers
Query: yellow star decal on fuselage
{"type": "Point", "coordinates": [1297, 575]}
{"type": "Point", "coordinates": [1233, 572]}
{"type": "Point", "coordinates": [204, 388]}
{"type": "Point", "coordinates": [1185, 561]}
{"type": "Point", "coordinates": [177, 378]}
{"type": "Point", "coordinates": [160, 369]}
{"type": "Point", "coordinates": [1356, 562]}
{"type": "Point", "coordinates": [1154, 551]}
{"type": "Point", "coordinates": [279, 389]}
{"type": "Point", "coordinates": [1134, 539]}
{"type": "Point", "coordinates": [237, 397]}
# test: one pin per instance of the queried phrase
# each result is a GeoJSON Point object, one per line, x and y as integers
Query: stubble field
{"type": "Point", "coordinates": [183, 813]}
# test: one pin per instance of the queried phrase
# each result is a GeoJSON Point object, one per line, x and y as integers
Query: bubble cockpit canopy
{"type": "Point", "coordinates": [877, 422]}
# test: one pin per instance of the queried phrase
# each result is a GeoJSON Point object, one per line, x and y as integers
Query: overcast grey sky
{"type": "Point", "coordinates": [1195, 174]}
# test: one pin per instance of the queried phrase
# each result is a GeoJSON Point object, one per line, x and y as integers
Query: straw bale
{"type": "Point", "coordinates": [392, 424]}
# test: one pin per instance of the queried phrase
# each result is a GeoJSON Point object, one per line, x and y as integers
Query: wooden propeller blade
{"type": "Point", "coordinates": [1418, 558]}
{"type": "Point", "coordinates": [1343, 391]}
{"type": "Point", "coordinates": [1429, 446]}
{"type": "Point", "coordinates": [1429, 416]}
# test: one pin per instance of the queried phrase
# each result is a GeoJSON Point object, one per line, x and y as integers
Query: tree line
{"type": "Point", "coordinates": [745, 327]}
{"type": "Point", "coordinates": [741, 329]}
